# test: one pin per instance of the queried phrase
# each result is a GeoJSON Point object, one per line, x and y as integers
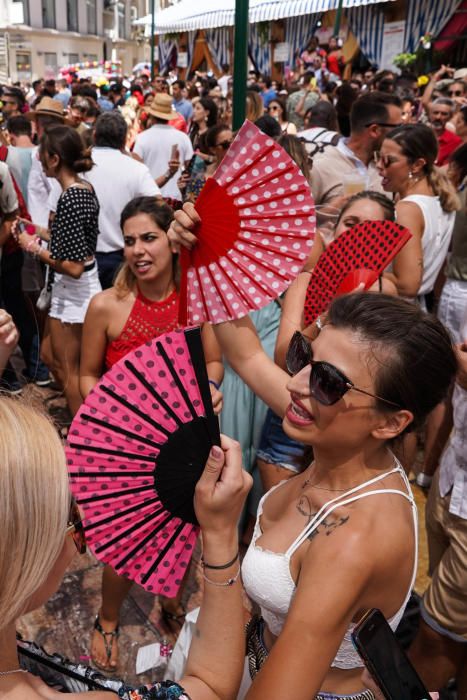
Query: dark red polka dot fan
{"type": "Point", "coordinates": [358, 255]}
{"type": "Point", "coordinates": [257, 227]}
{"type": "Point", "coordinates": [135, 451]}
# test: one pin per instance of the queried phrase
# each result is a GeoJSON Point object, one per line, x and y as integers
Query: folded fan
{"type": "Point", "coordinates": [257, 227]}
{"type": "Point", "coordinates": [135, 451]}
{"type": "Point", "coordinates": [358, 255]}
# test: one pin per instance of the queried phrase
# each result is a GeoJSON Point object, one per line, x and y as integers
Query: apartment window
{"type": "Point", "coordinates": [121, 20]}
{"type": "Point", "coordinates": [73, 58]}
{"type": "Point", "coordinates": [72, 15]}
{"type": "Point", "coordinates": [91, 13]}
{"type": "Point", "coordinates": [20, 12]}
{"type": "Point", "coordinates": [23, 66]}
{"type": "Point", "coordinates": [48, 14]}
{"type": "Point", "coordinates": [50, 65]}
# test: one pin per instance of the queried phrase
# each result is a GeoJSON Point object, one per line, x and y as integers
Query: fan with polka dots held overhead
{"type": "Point", "coordinates": [358, 256]}
{"type": "Point", "coordinates": [135, 452]}
{"type": "Point", "coordinates": [257, 227]}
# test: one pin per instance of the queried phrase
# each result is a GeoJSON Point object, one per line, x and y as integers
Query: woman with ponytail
{"type": "Point", "coordinates": [70, 255]}
{"type": "Point", "coordinates": [426, 206]}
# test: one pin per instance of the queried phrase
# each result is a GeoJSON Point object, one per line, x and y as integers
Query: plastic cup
{"type": "Point", "coordinates": [353, 184]}
{"type": "Point", "coordinates": [326, 220]}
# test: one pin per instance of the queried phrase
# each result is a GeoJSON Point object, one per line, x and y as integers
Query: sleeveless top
{"type": "Point", "coordinates": [148, 319]}
{"type": "Point", "coordinates": [436, 237]}
{"type": "Point", "coordinates": [268, 582]}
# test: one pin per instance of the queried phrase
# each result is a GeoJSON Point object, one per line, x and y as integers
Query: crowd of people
{"type": "Point", "coordinates": [97, 194]}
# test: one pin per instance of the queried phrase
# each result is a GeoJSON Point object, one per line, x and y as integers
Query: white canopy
{"type": "Point", "coordinates": [208, 14]}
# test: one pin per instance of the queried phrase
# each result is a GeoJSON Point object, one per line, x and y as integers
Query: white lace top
{"type": "Point", "coordinates": [268, 581]}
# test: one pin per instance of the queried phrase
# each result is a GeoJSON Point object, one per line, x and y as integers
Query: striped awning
{"type": "Point", "coordinates": [208, 14]}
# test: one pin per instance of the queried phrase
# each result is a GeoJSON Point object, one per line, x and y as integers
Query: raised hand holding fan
{"type": "Point", "coordinates": [136, 450]}
{"type": "Point", "coordinates": [358, 255]}
{"type": "Point", "coordinates": [257, 228]}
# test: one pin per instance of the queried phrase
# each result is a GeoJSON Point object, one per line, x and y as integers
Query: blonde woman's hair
{"type": "Point", "coordinates": [444, 189]}
{"type": "Point", "coordinates": [34, 504]}
{"type": "Point", "coordinates": [254, 106]}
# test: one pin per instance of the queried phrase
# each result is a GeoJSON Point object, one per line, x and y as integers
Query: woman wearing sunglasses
{"type": "Point", "coordinates": [41, 531]}
{"type": "Point", "coordinates": [278, 110]}
{"type": "Point", "coordinates": [341, 537]}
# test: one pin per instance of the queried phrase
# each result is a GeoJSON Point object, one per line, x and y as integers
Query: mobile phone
{"type": "Point", "coordinates": [189, 168]}
{"type": "Point", "coordinates": [26, 228]}
{"type": "Point", "coordinates": [175, 154]}
{"type": "Point", "coordinates": [386, 660]}
{"type": "Point", "coordinates": [313, 83]}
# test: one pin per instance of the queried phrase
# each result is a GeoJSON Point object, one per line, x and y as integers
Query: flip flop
{"type": "Point", "coordinates": [109, 638]}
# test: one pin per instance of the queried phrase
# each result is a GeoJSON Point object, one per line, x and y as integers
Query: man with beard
{"type": "Point", "coordinates": [442, 111]}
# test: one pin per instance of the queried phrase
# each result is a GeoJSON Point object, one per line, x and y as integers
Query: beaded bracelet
{"type": "Point", "coordinates": [218, 567]}
{"type": "Point", "coordinates": [223, 584]}
{"type": "Point", "coordinates": [215, 384]}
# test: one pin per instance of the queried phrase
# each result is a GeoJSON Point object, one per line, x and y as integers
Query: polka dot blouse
{"type": "Point", "coordinates": [75, 227]}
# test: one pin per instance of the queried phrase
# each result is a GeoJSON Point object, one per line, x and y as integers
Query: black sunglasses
{"type": "Point", "coordinates": [327, 383]}
{"type": "Point", "coordinates": [75, 527]}
{"type": "Point", "coordinates": [224, 144]}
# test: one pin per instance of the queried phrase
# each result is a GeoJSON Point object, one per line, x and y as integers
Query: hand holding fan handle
{"type": "Point", "coordinates": [179, 233]}
{"type": "Point", "coordinates": [219, 498]}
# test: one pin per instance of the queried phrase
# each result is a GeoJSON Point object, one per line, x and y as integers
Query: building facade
{"type": "Point", "coordinates": [38, 37]}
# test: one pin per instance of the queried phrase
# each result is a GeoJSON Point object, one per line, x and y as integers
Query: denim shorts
{"type": "Point", "coordinates": [275, 447]}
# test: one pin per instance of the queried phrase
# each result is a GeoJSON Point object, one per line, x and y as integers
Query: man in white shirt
{"type": "Point", "coordinates": [117, 178]}
{"type": "Point", "coordinates": [164, 150]}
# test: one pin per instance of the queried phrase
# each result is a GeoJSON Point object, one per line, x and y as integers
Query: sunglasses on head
{"type": "Point", "coordinates": [75, 527]}
{"type": "Point", "coordinates": [224, 144]}
{"type": "Point", "coordinates": [327, 383]}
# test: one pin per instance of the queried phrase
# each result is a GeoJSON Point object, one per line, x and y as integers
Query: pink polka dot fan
{"type": "Point", "coordinates": [257, 228]}
{"type": "Point", "coordinates": [135, 452]}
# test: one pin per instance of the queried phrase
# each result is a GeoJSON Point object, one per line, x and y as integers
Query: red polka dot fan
{"type": "Point", "coordinates": [257, 227]}
{"type": "Point", "coordinates": [358, 255]}
{"type": "Point", "coordinates": [136, 449]}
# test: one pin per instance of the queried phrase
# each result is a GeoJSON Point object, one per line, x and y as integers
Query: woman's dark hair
{"type": "Point", "coordinates": [211, 107]}
{"type": "Point", "coordinates": [419, 141]}
{"type": "Point", "coordinates": [111, 130]}
{"type": "Point", "coordinates": [65, 142]}
{"type": "Point", "coordinates": [415, 358]}
{"type": "Point", "coordinates": [160, 213]}
{"type": "Point", "coordinates": [210, 137]}
{"type": "Point", "coordinates": [269, 126]}
{"type": "Point", "coordinates": [385, 203]}
{"type": "Point", "coordinates": [322, 114]}
{"type": "Point", "coordinates": [281, 102]}
{"type": "Point", "coordinates": [458, 157]}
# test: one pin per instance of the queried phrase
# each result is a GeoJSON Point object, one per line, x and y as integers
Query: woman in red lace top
{"type": "Point", "coordinates": [142, 304]}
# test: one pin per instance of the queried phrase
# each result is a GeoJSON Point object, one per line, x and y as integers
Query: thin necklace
{"type": "Point", "coordinates": [15, 670]}
{"type": "Point", "coordinates": [320, 488]}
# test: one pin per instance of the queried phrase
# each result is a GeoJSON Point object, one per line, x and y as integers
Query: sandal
{"type": "Point", "coordinates": [109, 638]}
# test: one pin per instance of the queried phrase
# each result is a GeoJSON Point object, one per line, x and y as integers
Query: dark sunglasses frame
{"type": "Point", "coordinates": [300, 354]}
{"type": "Point", "coordinates": [75, 527]}
{"type": "Point", "coordinates": [392, 126]}
{"type": "Point", "coordinates": [224, 144]}
{"type": "Point", "coordinates": [455, 93]}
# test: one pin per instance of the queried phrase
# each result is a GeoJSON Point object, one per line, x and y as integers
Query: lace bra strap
{"type": "Point", "coordinates": [314, 521]}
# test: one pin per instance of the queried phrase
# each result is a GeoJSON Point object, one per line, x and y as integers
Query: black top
{"type": "Point", "coordinates": [75, 227]}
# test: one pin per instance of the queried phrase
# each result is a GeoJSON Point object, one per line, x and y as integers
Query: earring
{"type": "Point", "coordinates": [411, 175]}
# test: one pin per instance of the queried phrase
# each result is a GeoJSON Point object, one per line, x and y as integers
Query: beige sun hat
{"type": "Point", "coordinates": [48, 107]}
{"type": "Point", "coordinates": [161, 107]}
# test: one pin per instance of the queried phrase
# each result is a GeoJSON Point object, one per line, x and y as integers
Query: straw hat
{"type": "Point", "coordinates": [161, 107]}
{"type": "Point", "coordinates": [48, 107]}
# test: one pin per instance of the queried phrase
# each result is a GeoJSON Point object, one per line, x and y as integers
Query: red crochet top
{"type": "Point", "coordinates": [147, 320]}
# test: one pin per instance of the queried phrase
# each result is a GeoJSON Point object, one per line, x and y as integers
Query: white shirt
{"type": "Point", "coordinates": [155, 148]}
{"type": "Point", "coordinates": [39, 186]}
{"type": "Point", "coordinates": [117, 178]}
{"type": "Point", "coordinates": [453, 465]}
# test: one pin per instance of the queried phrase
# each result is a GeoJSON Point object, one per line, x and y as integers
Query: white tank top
{"type": "Point", "coordinates": [436, 237]}
{"type": "Point", "coordinates": [268, 582]}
